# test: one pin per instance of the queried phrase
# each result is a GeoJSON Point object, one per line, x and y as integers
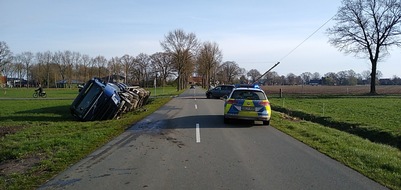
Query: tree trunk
{"type": "Point", "coordinates": [373, 78]}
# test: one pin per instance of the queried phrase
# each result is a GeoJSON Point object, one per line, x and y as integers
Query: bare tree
{"type": "Point", "coordinates": [367, 27]}
{"type": "Point", "coordinates": [230, 71]}
{"type": "Point", "coordinates": [5, 56]}
{"type": "Point", "coordinates": [306, 77]}
{"type": "Point", "coordinates": [316, 76]}
{"type": "Point", "coordinates": [42, 72]}
{"type": "Point", "coordinates": [182, 47]}
{"type": "Point", "coordinates": [114, 66]}
{"type": "Point", "coordinates": [27, 59]}
{"type": "Point", "coordinates": [254, 74]}
{"type": "Point", "coordinates": [86, 62]}
{"type": "Point", "coordinates": [273, 78]}
{"type": "Point", "coordinates": [208, 59]}
{"type": "Point", "coordinates": [19, 68]}
{"type": "Point", "coordinates": [143, 63]}
{"type": "Point", "coordinates": [128, 62]}
{"type": "Point", "coordinates": [162, 63]}
{"type": "Point", "coordinates": [100, 63]}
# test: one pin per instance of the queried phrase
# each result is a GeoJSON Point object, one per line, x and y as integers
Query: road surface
{"type": "Point", "coordinates": [186, 145]}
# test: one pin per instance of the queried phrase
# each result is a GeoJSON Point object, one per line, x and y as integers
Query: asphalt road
{"type": "Point", "coordinates": [186, 145]}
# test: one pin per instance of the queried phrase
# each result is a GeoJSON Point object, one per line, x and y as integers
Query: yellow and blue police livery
{"type": "Point", "coordinates": [247, 102]}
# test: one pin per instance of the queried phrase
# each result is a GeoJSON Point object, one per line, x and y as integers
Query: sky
{"type": "Point", "coordinates": [256, 34]}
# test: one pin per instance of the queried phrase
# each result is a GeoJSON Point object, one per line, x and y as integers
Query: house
{"type": "Point", "coordinates": [195, 80]}
{"type": "Point", "coordinates": [315, 82]}
{"type": "Point", "coordinates": [64, 83]}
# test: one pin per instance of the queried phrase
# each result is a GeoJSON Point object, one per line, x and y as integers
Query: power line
{"type": "Point", "coordinates": [275, 65]}
{"type": "Point", "coordinates": [307, 38]}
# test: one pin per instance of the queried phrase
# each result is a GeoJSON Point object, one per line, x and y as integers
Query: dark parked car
{"type": "Point", "coordinates": [219, 91]}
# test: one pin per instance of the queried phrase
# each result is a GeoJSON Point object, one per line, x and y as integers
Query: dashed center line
{"type": "Point", "coordinates": [197, 133]}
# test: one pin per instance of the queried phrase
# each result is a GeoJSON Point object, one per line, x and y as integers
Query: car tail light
{"type": "Point", "coordinates": [231, 101]}
{"type": "Point", "coordinates": [265, 103]}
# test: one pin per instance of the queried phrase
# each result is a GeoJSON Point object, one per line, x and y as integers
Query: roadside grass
{"type": "Point", "coordinates": [382, 163]}
{"type": "Point", "coordinates": [364, 133]}
{"type": "Point", "coordinates": [373, 118]}
{"type": "Point", "coordinates": [39, 138]}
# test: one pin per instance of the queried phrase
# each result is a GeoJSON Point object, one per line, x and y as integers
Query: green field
{"type": "Point", "coordinates": [374, 118]}
{"type": "Point", "coordinates": [39, 138]}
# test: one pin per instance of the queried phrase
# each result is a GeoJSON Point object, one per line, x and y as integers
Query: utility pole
{"type": "Point", "coordinates": [267, 72]}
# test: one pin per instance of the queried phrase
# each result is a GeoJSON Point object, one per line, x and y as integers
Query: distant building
{"type": "Point", "coordinates": [64, 83]}
{"type": "Point", "coordinates": [386, 82]}
{"type": "Point", "coordinates": [195, 80]}
{"type": "Point", "coordinates": [316, 82]}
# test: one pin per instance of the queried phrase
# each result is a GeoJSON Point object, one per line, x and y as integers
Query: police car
{"type": "Point", "coordinates": [247, 102]}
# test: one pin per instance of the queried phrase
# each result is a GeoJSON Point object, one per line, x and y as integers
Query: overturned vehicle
{"type": "Point", "coordinates": [99, 100]}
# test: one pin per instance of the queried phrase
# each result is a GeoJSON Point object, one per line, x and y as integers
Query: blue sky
{"type": "Point", "coordinates": [255, 33]}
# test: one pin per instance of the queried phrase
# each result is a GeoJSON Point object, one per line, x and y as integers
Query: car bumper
{"type": "Point", "coordinates": [257, 118]}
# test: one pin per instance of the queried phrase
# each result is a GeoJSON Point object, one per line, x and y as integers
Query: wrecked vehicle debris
{"type": "Point", "coordinates": [100, 100]}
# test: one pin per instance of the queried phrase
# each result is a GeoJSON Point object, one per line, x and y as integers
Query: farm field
{"type": "Point", "coordinates": [331, 90]}
{"type": "Point", "coordinates": [39, 137]}
{"type": "Point", "coordinates": [373, 118]}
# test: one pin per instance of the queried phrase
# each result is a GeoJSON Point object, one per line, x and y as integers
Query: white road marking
{"type": "Point", "coordinates": [196, 106]}
{"type": "Point", "coordinates": [197, 133]}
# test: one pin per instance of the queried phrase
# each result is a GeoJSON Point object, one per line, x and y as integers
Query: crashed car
{"type": "Point", "coordinates": [100, 100]}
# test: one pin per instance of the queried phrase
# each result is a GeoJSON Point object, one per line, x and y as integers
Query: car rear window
{"type": "Point", "coordinates": [248, 95]}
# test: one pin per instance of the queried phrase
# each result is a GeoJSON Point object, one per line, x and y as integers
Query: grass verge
{"type": "Point", "coordinates": [39, 138]}
{"type": "Point", "coordinates": [379, 162]}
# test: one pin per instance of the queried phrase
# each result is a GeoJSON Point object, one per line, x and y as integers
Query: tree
{"type": "Point", "coordinates": [316, 76]}
{"type": "Point", "coordinates": [162, 64]}
{"type": "Point", "coordinates": [182, 47]}
{"type": "Point", "coordinates": [114, 67]}
{"type": "Point", "coordinates": [254, 74]}
{"type": "Point", "coordinates": [100, 62]}
{"type": "Point", "coordinates": [306, 77]}
{"type": "Point", "coordinates": [273, 78]}
{"type": "Point", "coordinates": [367, 27]}
{"type": "Point", "coordinates": [5, 56]}
{"type": "Point", "coordinates": [209, 58]}
{"type": "Point", "coordinates": [44, 60]}
{"type": "Point", "coordinates": [86, 61]}
{"type": "Point", "coordinates": [330, 79]}
{"type": "Point", "coordinates": [19, 68]}
{"type": "Point", "coordinates": [229, 72]}
{"type": "Point", "coordinates": [27, 59]}
{"type": "Point", "coordinates": [143, 65]}
{"type": "Point", "coordinates": [128, 62]}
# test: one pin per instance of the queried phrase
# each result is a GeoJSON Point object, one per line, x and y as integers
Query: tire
{"type": "Point", "coordinates": [266, 122]}
{"type": "Point", "coordinates": [44, 95]}
{"type": "Point", "coordinates": [35, 95]}
{"type": "Point", "coordinates": [208, 96]}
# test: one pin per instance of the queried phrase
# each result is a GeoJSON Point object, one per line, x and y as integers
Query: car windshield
{"type": "Point", "coordinates": [248, 95]}
{"type": "Point", "coordinates": [90, 94]}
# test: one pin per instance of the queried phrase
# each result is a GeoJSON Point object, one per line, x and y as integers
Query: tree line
{"type": "Point", "coordinates": [184, 57]}
{"type": "Point", "coordinates": [364, 28]}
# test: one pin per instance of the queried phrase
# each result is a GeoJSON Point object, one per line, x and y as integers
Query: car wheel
{"type": "Point", "coordinates": [208, 96]}
{"type": "Point", "coordinates": [266, 122]}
